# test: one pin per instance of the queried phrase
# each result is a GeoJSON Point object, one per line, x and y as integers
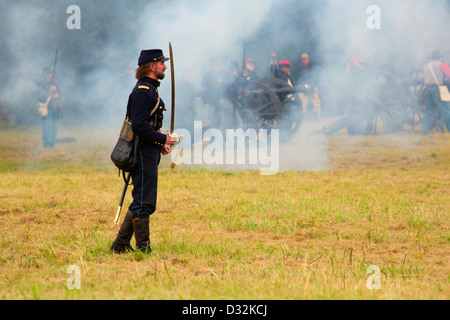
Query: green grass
{"type": "Point", "coordinates": [216, 234]}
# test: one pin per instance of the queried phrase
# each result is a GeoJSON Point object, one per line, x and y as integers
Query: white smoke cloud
{"type": "Point", "coordinates": [202, 30]}
{"type": "Point", "coordinates": [410, 30]}
{"type": "Point", "coordinates": [331, 31]}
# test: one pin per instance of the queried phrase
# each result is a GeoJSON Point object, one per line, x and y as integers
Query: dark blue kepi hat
{"type": "Point", "coordinates": [151, 55]}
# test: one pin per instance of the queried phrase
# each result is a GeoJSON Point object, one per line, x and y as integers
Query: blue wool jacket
{"type": "Point", "coordinates": [141, 102]}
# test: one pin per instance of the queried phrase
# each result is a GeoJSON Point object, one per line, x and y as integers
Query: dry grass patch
{"type": "Point", "coordinates": [230, 235]}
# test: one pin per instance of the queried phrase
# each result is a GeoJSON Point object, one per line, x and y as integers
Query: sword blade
{"type": "Point", "coordinates": [172, 73]}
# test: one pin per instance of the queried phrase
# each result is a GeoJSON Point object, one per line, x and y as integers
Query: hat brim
{"type": "Point", "coordinates": [162, 59]}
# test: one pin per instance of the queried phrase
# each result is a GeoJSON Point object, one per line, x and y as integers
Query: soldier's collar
{"type": "Point", "coordinates": [153, 82]}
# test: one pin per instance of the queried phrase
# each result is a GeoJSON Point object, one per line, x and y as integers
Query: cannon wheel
{"type": "Point", "coordinates": [416, 100]}
{"type": "Point", "coordinates": [385, 96]}
{"type": "Point", "coordinates": [270, 110]}
{"type": "Point", "coordinates": [259, 106]}
{"type": "Point", "coordinates": [392, 108]}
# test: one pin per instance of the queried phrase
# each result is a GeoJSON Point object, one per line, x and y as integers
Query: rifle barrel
{"type": "Point", "coordinates": [54, 64]}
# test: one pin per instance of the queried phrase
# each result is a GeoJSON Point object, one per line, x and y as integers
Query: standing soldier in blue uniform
{"type": "Point", "coordinates": [145, 110]}
{"type": "Point", "coordinates": [48, 92]}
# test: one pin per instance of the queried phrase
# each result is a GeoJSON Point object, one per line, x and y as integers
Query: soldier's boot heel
{"type": "Point", "coordinates": [142, 234]}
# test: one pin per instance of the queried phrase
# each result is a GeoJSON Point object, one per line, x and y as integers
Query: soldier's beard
{"type": "Point", "coordinates": [160, 75]}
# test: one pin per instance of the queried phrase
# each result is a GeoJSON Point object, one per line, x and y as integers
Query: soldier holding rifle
{"type": "Point", "coordinates": [48, 95]}
{"type": "Point", "coordinates": [146, 126]}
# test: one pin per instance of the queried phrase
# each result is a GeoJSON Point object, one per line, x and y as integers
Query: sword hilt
{"type": "Point", "coordinates": [177, 137]}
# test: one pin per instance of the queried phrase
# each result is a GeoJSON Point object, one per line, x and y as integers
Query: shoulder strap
{"type": "Point", "coordinates": [48, 100]}
{"type": "Point", "coordinates": [157, 102]}
{"type": "Point", "coordinates": [146, 85]}
{"type": "Point", "coordinates": [156, 106]}
{"type": "Point", "coordinates": [434, 75]}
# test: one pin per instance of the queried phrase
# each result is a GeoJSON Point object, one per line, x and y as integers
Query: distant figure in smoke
{"type": "Point", "coordinates": [212, 86]}
{"type": "Point", "coordinates": [308, 79]}
{"type": "Point", "coordinates": [186, 97]}
{"type": "Point", "coordinates": [47, 90]}
{"type": "Point", "coordinates": [229, 115]}
{"type": "Point", "coordinates": [248, 72]}
{"type": "Point", "coordinates": [283, 72]}
{"type": "Point", "coordinates": [146, 126]}
{"type": "Point", "coordinates": [360, 115]}
{"type": "Point", "coordinates": [435, 72]}
{"type": "Point", "coordinates": [233, 94]}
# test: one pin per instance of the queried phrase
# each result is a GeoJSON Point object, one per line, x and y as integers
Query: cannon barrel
{"type": "Point", "coordinates": [287, 90]}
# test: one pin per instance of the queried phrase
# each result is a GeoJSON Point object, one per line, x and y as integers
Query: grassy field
{"type": "Point", "coordinates": [300, 234]}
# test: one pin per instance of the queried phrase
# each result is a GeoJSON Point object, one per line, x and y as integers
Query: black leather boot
{"type": "Point", "coordinates": [142, 234]}
{"type": "Point", "coordinates": [122, 242]}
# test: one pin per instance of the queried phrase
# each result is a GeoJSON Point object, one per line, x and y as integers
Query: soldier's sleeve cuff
{"type": "Point", "coordinates": [161, 141]}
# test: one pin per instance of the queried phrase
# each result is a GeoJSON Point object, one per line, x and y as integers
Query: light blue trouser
{"type": "Point", "coordinates": [50, 128]}
{"type": "Point", "coordinates": [434, 105]}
